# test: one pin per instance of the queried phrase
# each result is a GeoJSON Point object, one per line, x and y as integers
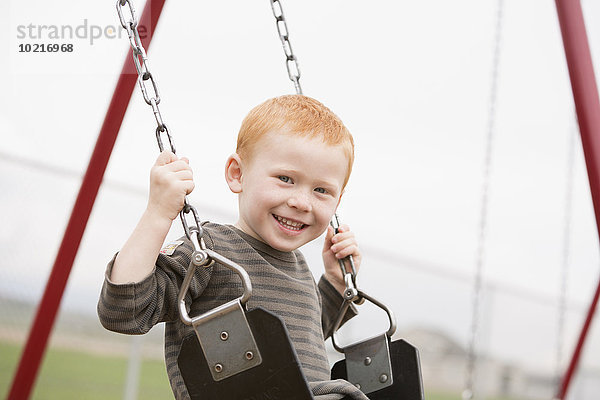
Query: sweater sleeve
{"type": "Point", "coordinates": [134, 308]}
{"type": "Point", "coordinates": [331, 302]}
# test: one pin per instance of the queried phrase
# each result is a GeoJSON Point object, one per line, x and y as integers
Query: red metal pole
{"type": "Point", "coordinates": [587, 104]}
{"type": "Point", "coordinates": [35, 347]}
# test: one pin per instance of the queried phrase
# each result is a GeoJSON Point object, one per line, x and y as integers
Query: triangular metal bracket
{"type": "Point", "coordinates": [368, 364]}
{"type": "Point", "coordinates": [227, 341]}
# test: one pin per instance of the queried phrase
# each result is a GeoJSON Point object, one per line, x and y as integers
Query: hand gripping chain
{"type": "Point", "coordinates": [129, 21]}
{"type": "Point", "coordinates": [377, 366]}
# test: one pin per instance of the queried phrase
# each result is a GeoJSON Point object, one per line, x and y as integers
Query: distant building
{"type": "Point", "coordinates": [444, 363]}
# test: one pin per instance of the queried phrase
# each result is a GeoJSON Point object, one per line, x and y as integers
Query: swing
{"type": "Point", "coordinates": [469, 387]}
{"type": "Point", "coordinates": [237, 353]}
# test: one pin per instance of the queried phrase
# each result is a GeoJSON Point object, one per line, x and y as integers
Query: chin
{"type": "Point", "coordinates": [285, 248]}
{"type": "Point", "coordinates": [283, 245]}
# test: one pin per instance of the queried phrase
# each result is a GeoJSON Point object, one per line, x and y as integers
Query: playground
{"type": "Point", "coordinates": [474, 192]}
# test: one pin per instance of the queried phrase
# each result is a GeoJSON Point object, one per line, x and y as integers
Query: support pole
{"type": "Point", "coordinates": [35, 347]}
{"type": "Point", "coordinates": [587, 105]}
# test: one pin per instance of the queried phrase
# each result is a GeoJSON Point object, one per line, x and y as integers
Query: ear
{"type": "Point", "coordinates": [233, 173]}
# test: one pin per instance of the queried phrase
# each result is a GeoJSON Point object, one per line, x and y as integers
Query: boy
{"type": "Point", "coordinates": [292, 162]}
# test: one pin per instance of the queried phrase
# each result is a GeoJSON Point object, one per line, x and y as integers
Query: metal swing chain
{"type": "Point", "coordinates": [355, 374]}
{"type": "Point", "coordinates": [564, 269]}
{"type": "Point", "coordinates": [477, 287]}
{"type": "Point", "coordinates": [291, 63]}
{"type": "Point", "coordinates": [129, 22]}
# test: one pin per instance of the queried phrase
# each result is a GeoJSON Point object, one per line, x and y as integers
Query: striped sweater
{"type": "Point", "coordinates": [281, 282]}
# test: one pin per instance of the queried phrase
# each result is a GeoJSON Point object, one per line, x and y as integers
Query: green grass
{"type": "Point", "coordinates": [456, 396]}
{"type": "Point", "coordinates": [67, 374]}
{"type": "Point", "coordinates": [77, 375]}
{"type": "Point", "coordinates": [441, 396]}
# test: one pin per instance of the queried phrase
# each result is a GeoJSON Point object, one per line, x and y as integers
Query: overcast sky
{"type": "Point", "coordinates": [412, 82]}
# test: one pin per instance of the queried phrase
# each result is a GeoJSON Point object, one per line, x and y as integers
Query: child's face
{"type": "Point", "coordinates": [290, 189]}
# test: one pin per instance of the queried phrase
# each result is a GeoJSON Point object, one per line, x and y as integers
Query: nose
{"type": "Point", "coordinates": [300, 201]}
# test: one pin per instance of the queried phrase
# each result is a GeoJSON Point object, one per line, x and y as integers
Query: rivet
{"type": "Point", "coordinates": [249, 355]}
{"type": "Point", "coordinates": [367, 360]}
{"type": "Point", "coordinates": [218, 367]}
{"type": "Point", "coordinates": [383, 378]}
{"type": "Point", "coordinates": [224, 335]}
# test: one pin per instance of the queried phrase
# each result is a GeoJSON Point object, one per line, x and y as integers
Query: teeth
{"type": "Point", "coordinates": [293, 225]}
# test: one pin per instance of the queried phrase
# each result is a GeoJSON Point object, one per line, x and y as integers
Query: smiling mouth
{"type": "Point", "coordinates": [289, 223]}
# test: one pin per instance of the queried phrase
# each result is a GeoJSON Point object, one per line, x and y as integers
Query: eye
{"type": "Point", "coordinates": [284, 178]}
{"type": "Point", "coordinates": [320, 190]}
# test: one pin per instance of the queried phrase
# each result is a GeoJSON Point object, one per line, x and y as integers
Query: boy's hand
{"type": "Point", "coordinates": [171, 179]}
{"type": "Point", "coordinates": [336, 247]}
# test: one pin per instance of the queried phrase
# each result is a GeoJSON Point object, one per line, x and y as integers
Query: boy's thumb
{"type": "Point", "coordinates": [166, 157]}
{"type": "Point", "coordinates": [329, 234]}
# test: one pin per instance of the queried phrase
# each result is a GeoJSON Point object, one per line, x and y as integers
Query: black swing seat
{"type": "Point", "coordinates": [236, 354]}
{"type": "Point", "coordinates": [405, 367]}
{"type": "Point", "coordinates": [382, 369]}
{"type": "Point", "coordinates": [278, 376]}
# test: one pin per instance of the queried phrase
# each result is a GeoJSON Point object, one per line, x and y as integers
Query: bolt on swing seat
{"type": "Point", "coordinates": [235, 353]}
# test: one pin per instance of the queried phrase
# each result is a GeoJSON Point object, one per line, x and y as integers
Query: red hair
{"type": "Point", "coordinates": [294, 115]}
